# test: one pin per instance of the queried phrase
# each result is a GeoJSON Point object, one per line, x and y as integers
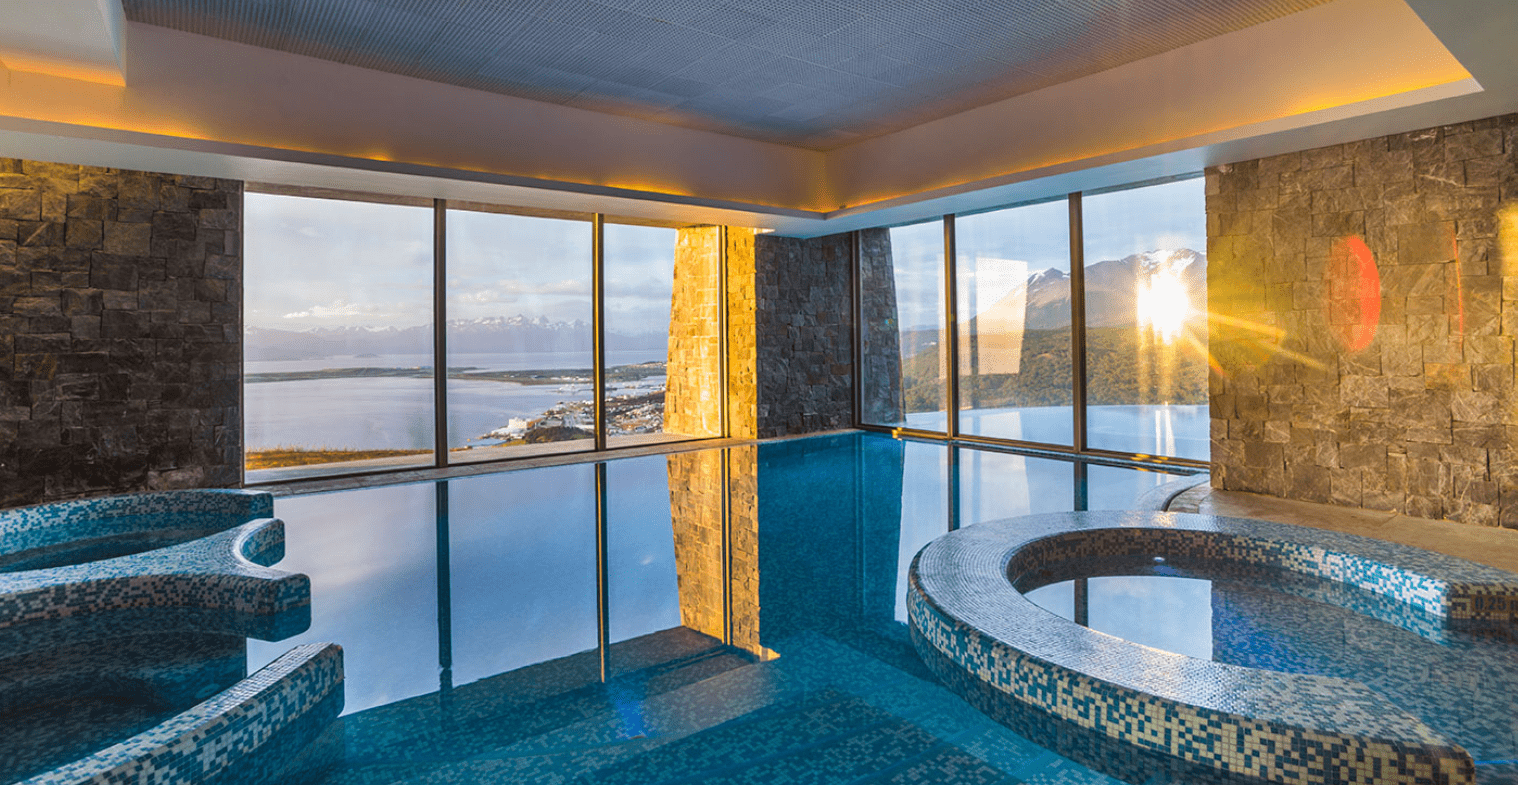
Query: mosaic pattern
{"type": "Point", "coordinates": [965, 613]}
{"type": "Point", "coordinates": [112, 601]}
{"type": "Point", "coordinates": [25, 529]}
{"type": "Point", "coordinates": [214, 583]}
{"type": "Point", "coordinates": [235, 737]}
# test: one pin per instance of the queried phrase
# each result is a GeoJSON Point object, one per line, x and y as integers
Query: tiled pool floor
{"type": "Point", "coordinates": [749, 602]}
{"type": "Point", "coordinates": [825, 713]}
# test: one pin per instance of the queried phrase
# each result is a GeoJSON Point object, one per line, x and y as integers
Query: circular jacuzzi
{"type": "Point", "coordinates": [1279, 653]}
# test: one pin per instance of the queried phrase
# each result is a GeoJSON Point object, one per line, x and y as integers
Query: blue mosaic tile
{"type": "Point", "coordinates": [117, 590]}
{"type": "Point", "coordinates": [974, 629]}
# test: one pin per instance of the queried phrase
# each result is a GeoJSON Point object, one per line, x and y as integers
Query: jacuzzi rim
{"type": "Point", "coordinates": [960, 587]}
{"type": "Point", "coordinates": [240, 508]}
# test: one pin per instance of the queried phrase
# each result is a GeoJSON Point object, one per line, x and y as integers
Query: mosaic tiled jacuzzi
{"type": "Point", "coordinates": [1197, 648]}
{"type": "Point", "coordinates": [123, 627]}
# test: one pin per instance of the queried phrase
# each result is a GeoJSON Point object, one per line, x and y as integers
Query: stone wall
{"type": "Point", "coordinates": [881, 399]}
{"type": "Point", "coordinates": [790, 334]}
{"type": "Point", "coordinates": [804, 334]}
{"type": "Point", "coordinates": [1366, 301]}
{"type": "Point", "coordinates": [120, 331]}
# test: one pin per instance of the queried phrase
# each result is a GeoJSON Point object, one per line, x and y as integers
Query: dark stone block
{"type": "Point", "coordinates": [208, 200]}
{"type": "Point", "coordinates": [85, 235]}
{"type": "Point", "coordinates": [40, 233]}
{"type": "Point", "coordinates": [109, 271]}
{"type": "Point", "coordinates": [173, 226]}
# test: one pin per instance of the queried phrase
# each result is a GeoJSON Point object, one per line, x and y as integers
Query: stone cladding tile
{"type": "Point", "coordinates": [121, 344]}
{"type": "Point", "coordinates": [1378, 279]}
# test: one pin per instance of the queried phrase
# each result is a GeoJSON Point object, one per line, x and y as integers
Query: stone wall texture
{"type": "Point", "coordinates": [695, 345]}
{"type": "Point", "coordinates": [1365, 302]}
{"type": "Point", "coordinates": [120, 331]}
{"type": "Point", "coordinates": [790, 334]}
{"type": "Point", "coordinates": [881, 398]}
{"type": "Point", "coordinates": [804, 323]}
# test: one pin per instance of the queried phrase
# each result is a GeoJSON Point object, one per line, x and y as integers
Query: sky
{"type": "Point", "coordinates": [329, 263]}
{"type": "Point", "coordinates": [1116, 224]}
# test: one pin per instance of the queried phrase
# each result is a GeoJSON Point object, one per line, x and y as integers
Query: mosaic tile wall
{"type": "Point", "coordinates": [120, 338]}
{"type": "Point", "coordinates": [1371, 297]}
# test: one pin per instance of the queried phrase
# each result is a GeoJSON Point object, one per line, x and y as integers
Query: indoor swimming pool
{"type": "Point", "coordinates": [732, 615]}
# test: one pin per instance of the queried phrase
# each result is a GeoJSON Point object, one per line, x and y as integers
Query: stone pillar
{"type": "Point", "coordinates": [742, 336]}
{"type": "Point", "coordinates": [880, 375]}
{"type": "Point", "coordinates": [790, 334]}
{"type": "Point", "coordinates": [692, 389]}
{"type": "Point", "coordinates": [120, 331]}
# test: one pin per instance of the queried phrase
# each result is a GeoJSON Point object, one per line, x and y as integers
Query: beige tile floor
{"type": "Point", "coordinates": [1494, 547]}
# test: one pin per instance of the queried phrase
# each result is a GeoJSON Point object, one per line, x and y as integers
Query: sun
{"type": "Point", "coordinates": [1163, 304]}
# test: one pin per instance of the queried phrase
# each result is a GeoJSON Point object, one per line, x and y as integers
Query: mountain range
{"type": "Point", "coordinates": [485, 335]}
{"type": "Point", "coordinates": [1043, 302]}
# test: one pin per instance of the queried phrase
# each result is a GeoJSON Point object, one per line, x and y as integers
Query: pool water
{"type": "Point", "coordinates": [1462, 683]}
{"type": "Point", "coordinates": [724, 615]}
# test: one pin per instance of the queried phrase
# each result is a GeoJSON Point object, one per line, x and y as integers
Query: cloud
{"type": "Point", "coordinates": [340, 309]}
{"type": "Point", "coordinates": [512, 289]}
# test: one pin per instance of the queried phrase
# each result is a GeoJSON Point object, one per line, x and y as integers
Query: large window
{"type": "Point", "coordinates": [1013, 277]}
{"type": "Point", "coordinates": [648, 350]}
{"type": "Point", "coordinates": [917, 256]}
{"type": "Point", "coordinates": [1146, 320]}
{"type": "Point", "coordinates": [338, 336]}
{"type": "Point", "coordinates": [520, 368]}
{"type": "Point", "coordinates": [1110, 356]}
{"type": "Point", "coordinates": [349, 298]}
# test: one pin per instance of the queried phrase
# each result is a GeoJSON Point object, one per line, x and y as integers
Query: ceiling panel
{"type": "Point", "coordinates": [760, 69]}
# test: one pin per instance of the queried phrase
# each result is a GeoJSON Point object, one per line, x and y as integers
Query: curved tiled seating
{"type": "Point", "coordinates": [214, 582]}
{"type": "Point", "coordinates": [980, 635]}
{"type": "Point", "coordinates": [246, 734]}
{"type": "Point", "coordinates": [129, 575]}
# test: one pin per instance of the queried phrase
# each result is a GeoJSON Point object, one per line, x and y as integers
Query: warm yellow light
{"type": "Point", "coordinates": [1163, 304]}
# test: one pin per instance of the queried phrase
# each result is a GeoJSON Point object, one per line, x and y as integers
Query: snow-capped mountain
{"type": "Point", "coordinates": [1112, 286]}
{"type": "Point", "coordinates": [483, 335]}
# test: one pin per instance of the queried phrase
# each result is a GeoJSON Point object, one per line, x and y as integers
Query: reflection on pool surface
{"type": "Point", "coordinates": [742, 634]}
{"type": "Point", "coordinates": [1291, 622]}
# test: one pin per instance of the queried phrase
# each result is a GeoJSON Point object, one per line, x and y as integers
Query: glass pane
{"type": "Point", "coordinates": [916, 264]}
{"type": "Point", "coordinates": [996, 485]}
{"type": "Point", "coordinates": [519, 340]}
{"type": "Point", "coordinates": [523, 569]}
{"type": "Point", "coordinates": [643, 266]}
{"type": "Point", "coordinates": [1013, 275]}
{"type": "Point", "coordinates": [643, 584]}
{"type": "Point", "coordinates": [1146, 320]}
{"type": "Point", "coordinates": [337, 342]}
{"type": "Point", "coordinates": [371, 555]}
{"type": "Point", "coordinates": [1114, 488]}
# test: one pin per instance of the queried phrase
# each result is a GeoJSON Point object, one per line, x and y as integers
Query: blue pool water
{"type": "Point", "coordinates": [752, 635]}
{"type": "Point", "coordinates": [1461, 683]}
